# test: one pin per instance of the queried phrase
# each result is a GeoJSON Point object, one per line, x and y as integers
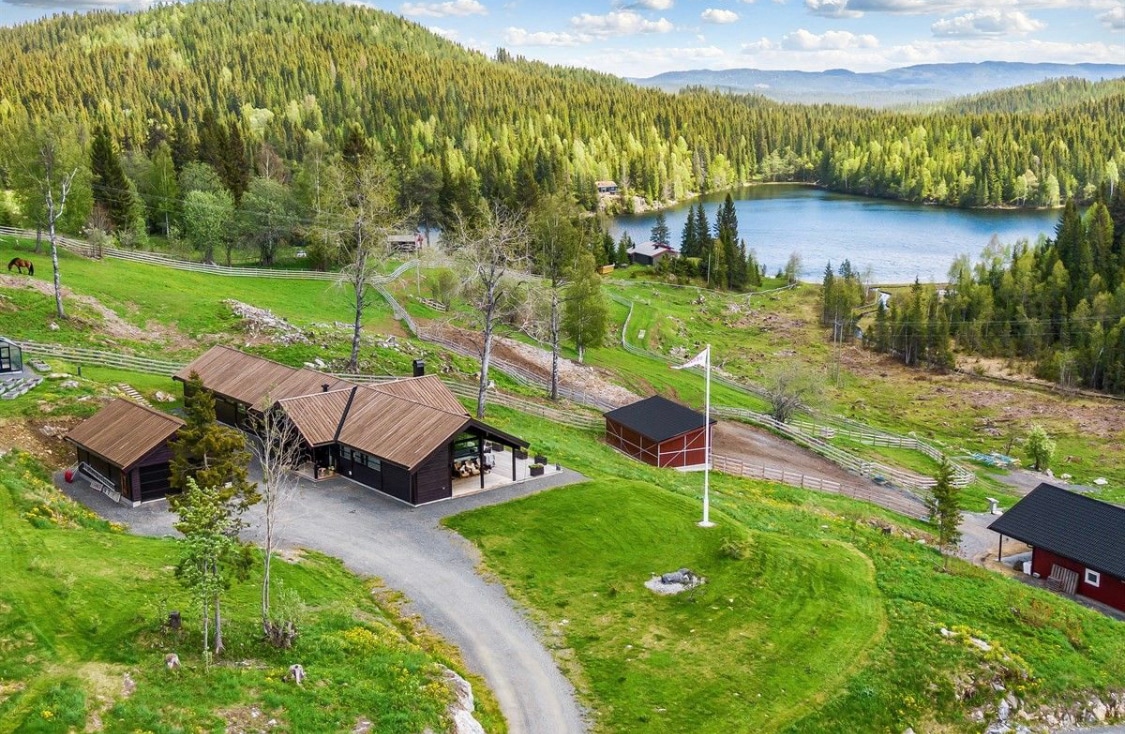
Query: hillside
{"type": "Point", "coordinates": [894, 87]}
{"type": "Point", "coordinates": [830, 607]}
{"type": "Point", "coordinates": [295, 75]}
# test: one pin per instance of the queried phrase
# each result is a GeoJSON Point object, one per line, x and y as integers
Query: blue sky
{"type": "Point", "coordinates": [645, 37]}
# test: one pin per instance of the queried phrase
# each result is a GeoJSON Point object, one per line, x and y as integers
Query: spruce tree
{"type": "Point", "coordinates": [945, 510]}
{"type": "Point", "coordinates": [689, 240]}
{"type": "Point", "coordinates": [110, 186]}
{"type": "Point", "coordinates": [214, 455]}
{"type": "Point", "coordinates": [660, 234]}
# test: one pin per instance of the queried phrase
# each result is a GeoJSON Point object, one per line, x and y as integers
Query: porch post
{"type": "Point", "coordinates": [480, 459]}
{"type": "Point", "coordinates": [513, 463]}
{"type": "Point", "coordinates": [1000, 553]}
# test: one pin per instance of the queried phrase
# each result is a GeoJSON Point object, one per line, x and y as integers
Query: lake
{"type": "Point", "coordinates": [898, 241]}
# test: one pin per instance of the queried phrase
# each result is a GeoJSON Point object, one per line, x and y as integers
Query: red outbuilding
{"type": "Point", "coordinates": [659, 432]}
{"type": "Point", "coordinates": [1076, 540]}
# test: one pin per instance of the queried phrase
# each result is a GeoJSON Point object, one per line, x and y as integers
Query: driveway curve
{"type": "Point", "coordinates": [435, 568]}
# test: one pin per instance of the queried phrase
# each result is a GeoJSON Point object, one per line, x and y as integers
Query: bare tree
{"type": "Point", "coordinates": [278, 451]}
{"type": "Point", "coordinates": [490, 254]}
{"type": "Point", "coordinates": [360, 213]}
{"type": "Point", "coordinates": [788, 388]}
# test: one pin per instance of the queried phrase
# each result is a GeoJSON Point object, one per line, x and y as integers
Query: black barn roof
{"type": "Point", "coordinates": [1071, 525]}
{"type": "Point", "coordinates": [657, 418]}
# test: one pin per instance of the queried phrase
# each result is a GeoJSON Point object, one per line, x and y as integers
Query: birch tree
{"type": "Point", "coordinates": [53, 183]}
{"type": "Point", "coordinates": [359, 214]}
{"type": "Point", "coordinates": [491, 254]}
{"type": "Point", "coordinates": [278, 452]}
{"type": "Point", "coordinates": [555, 240]}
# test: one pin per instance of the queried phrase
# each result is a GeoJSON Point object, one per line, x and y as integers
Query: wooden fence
{"type": "Point", "coordinates": [165, 261]}
{"type": "Point", "coordinates": [905, 504]}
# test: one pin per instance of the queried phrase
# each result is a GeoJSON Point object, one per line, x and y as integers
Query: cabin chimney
{"type": "Point", "coordinates": [419, 367]}
{"type": "Point", "coordinates": [324, 387]}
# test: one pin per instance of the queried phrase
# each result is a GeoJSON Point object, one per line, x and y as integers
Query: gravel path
{"type": "Point", "coordinates": [437, 571]}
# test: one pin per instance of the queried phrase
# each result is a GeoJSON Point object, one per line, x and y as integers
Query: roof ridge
{"type": "Point", "coordinates": [344, 414]}
{"type": "Point", "coordinates": [150, 409]}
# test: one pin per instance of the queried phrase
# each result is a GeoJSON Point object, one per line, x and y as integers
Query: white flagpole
{"type": "Point", "coordinates": [706, 522]}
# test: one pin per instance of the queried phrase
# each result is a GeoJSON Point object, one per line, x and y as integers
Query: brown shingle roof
{"type": "Point", "coordinates": [427, 390]}
{"type": "Point", "coordinates": [401, 431]}
{"type": "Point", "coordinates": [123, 432]}
{"type": "Point", "coordinates": [249, 379]}
{"type": "Point", "coordinates": [317, 417]}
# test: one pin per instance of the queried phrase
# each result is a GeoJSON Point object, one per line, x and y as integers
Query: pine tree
{"type": "Point", "coordinates": [623, 246]}
{"type": "Point", "coordinates": [110, 186]}
{"type": "Point", "coordinates": [945, 510]}
{"type": "Point", "coordinates": [660, 234]}
{"type": "Point", "coordinates": [584, 312]}
{"type": "Point", "coordinates": [689, 240]}
{"type": "Point", "coordinates": [214, 455]}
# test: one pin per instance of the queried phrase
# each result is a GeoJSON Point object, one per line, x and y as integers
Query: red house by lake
{"type": "Point", "coordinates": [1071, 534]}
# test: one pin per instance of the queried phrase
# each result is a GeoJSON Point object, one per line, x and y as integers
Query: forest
{"type": "Point", "coordinates": [265, 91]}
{"type": "Point", "coordinates": [1059, 303]}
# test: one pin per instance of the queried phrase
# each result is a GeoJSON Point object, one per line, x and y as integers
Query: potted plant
{"type": "Point", "coordinates": [540, 459]}
{"type": "Point", "coordinates": [521, 454]}
{"type": "Point", "coordinates": [536, 470]}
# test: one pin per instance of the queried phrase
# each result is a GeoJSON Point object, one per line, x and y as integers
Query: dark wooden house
{"type": "Point", "coordinates": [397, 437]}
{"type": "Point", "coordinates": [1073, 537]}
{"type": "Point", "coordinates": [125, 446]}
{"type": "Point", "coordinates": [659, 432]}
{"type": "Point", "coordinates": [650, 253]}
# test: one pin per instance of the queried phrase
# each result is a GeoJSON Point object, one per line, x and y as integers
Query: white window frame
{"type": "Point", "coordinates": [1092, 578]}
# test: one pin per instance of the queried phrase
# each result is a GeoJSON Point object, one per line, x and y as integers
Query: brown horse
{"type": "Point", "coordinates": [19, 264]}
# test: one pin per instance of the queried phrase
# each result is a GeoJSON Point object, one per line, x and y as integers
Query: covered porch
{"type": "Point", "coordinates": [509, 468]}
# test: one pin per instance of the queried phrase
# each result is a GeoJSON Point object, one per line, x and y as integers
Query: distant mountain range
{"type": "Point", "coordinates": [925, 83]}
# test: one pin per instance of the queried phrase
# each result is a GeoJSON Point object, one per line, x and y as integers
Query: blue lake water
{"type": "Point", "coordinates": [898, 241]}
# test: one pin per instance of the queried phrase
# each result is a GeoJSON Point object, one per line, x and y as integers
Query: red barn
{"type": "Point", "coordinates": [1071, 534]}
{"type": "Point", "coordinates": [659, 432]}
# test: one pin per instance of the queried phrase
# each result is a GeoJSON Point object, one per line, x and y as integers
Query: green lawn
{"type": "Point", "coordinates": [81, 606]}
{"type": "Point", "coordinates": [762, 643]}
{"type": "Point", "coordinates": [827, 606]}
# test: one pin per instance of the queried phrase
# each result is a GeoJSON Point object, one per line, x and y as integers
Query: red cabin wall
{"type": "Point", "coordinates": [1111, 591]}
{"type": "Point", "coordinates": [687, 449]}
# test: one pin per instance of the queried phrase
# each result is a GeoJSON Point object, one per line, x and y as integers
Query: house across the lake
{"type": "Point", "coordinates": [650, 253]}
{"type": "Point", "coordinates": [124, 450]}
{"type": "Point", "coordinates": [409, 438]}
{"type": "Point", "coordinates": [660, 432]}
{"type": "Point", "coordinates": [606, 188]}
{"type": "Point", "coordinates": [1078, 543]}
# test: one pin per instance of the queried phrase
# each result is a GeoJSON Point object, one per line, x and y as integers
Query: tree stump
{"type": "Point", "coordinates": [296, 673]}
{"type": "Point", "coordinates": [172, 661]}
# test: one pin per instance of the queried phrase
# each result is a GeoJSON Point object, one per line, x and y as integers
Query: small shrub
{"type": "Point", "coordinates": [737, 549]}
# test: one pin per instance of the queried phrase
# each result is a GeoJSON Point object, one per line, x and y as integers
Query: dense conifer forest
{"type": "Point", "coordinates": [288, 78]}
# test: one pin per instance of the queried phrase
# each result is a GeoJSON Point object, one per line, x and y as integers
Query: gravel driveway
{"type": "Point", "coordinates": [437, 571]}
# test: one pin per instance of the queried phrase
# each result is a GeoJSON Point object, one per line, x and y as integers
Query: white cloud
{"type": "Point", "coordinates": [455, 8]}
{"type": "Point", "coordinates": [1114, 18]}
{"type": "Point", "coordinates": [716, 15]}
{"type": "Point", "coordinates": [802, 40]}
{"type": "Point", "coordinates": [450, 34]}
{"type": "Point", "coordinates": [756, 47]}
{"type": "Point", "coordinates": [831, 8]}
{"type": "Point", "coordinates": [67, 5]}
{"type": "Point", "coordinates": [857, 8]}
{"type": "Point", "coordinates": [521, 37]}
{"type": "Point", "coordinates": [619, 23]}
{"type": "Point", "coordinates": [991, 22]}
{"type": "Point", "coordinates": [654, 4]}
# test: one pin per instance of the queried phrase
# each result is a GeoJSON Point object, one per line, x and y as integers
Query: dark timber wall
{"type": "Point", "coordinates": [433, 480]}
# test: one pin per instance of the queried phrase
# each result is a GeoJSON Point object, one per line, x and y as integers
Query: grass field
{"type": "Point", "coordinates": [872, 660]}
{"type": "Point", "coordinates": [81, 607]}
